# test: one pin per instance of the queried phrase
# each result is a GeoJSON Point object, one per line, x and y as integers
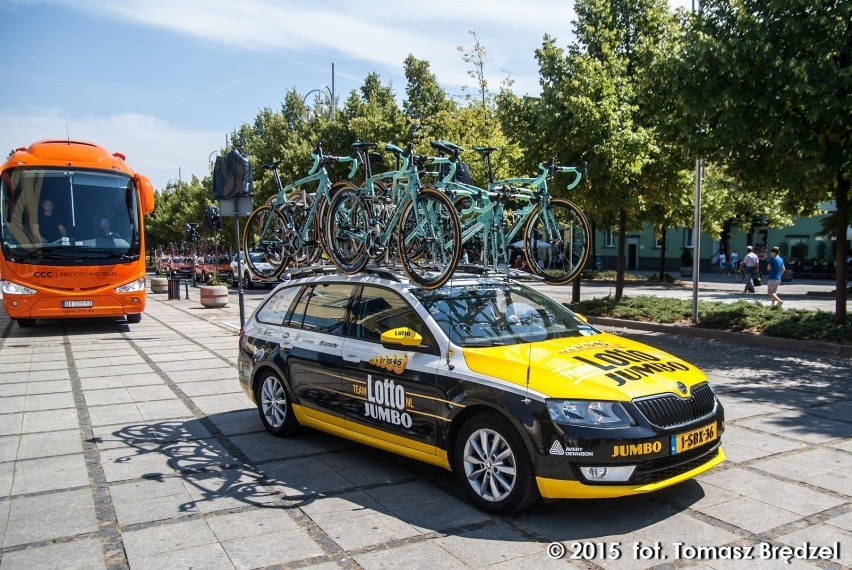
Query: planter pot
{"type": "Point", "coordinates": [159, 284]}
{"type": "Point", "coordinates": [214, 296]}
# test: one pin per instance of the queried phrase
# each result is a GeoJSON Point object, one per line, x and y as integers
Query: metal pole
{"type": "Point", "coordinates": [332, 91]}
{"type": "Point", "coordinates": [239, 265]}
{"type": "Point", "coordinates": [696, 241]}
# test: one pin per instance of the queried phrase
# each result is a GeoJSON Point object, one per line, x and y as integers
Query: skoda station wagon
{"type": "Point", "coordinates": [520, 397]}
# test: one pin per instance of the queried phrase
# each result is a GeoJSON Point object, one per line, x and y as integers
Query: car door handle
{"type": "Point", "coordinates": [352, 358]}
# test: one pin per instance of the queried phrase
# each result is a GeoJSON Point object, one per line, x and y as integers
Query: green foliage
{"type": "Point", "coordinates": [686, 257]}
{"type": "Point", "coordinates": [741, 316]}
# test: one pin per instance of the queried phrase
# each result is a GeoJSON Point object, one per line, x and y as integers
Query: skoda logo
{"type": "Point", "coordinates": [682, 387]}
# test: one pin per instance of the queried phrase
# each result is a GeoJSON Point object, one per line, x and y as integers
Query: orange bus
{"type": "Point", "coordinates": [72, 233]}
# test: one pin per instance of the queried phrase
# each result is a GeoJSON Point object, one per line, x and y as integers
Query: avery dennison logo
{"type": "Point", "coordinates": [557, 449]}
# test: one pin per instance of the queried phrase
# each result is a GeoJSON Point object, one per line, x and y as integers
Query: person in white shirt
{"type": "Point", "coordinates": [751, 263]}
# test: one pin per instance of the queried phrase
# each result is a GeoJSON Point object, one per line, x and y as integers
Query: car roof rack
{"type": "Point", "coordinates": [382, 272]}
{"type": "Point", "coordinates": [500, 271]}
{"type": "Point", "coordinates": [299, 272]}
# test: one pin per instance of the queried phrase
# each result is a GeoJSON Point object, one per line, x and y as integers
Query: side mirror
{"type": "Point", "coordinates": [146, 193]}
{"type": "Point", "coordinates": [402, 336]}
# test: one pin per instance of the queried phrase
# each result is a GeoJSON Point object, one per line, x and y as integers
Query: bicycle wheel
{"type": "Point", "coordinates": [267, 232]}
{"type": "Point", "coordinates": [307, 247]}
{"type": "Point", "coordinates": [429, 236]}
{"type": "Point", "coordinates": [347, 230]}
{"type": "Point", "coordinates": [739, 276]}
{"type": "Point", "coordinates": [556, 241]}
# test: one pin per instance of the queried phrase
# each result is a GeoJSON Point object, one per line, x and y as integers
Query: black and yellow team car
{"type": "Point", "coordinates": [506, 387]}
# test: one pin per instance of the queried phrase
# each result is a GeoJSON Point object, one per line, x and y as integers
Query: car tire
{"type": "Point", "coordinates": [134, 318]}
{"type": "Point", "coordinates": [26, 323]}
{"type": "Point", "coordinates": [247, 284]}
{"type": "Point", "coordinates": [231, 281]}
{"type": "Point", "coordinates": [499, 478]}
{"type": "Point", "coordinates": [274, 405]}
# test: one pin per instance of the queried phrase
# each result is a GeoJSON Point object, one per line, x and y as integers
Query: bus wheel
{"type": "Point", "coordinates": [25, 323]}
{"type": "Point", "coordinates": [134, 318]}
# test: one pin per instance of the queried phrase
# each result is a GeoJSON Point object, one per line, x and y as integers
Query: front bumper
{"type": "Point", "coordinates": [565, 489]}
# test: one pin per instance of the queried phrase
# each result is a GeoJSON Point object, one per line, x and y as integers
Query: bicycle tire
{"type": "Point", "coordinates": [559, 238]}
{"type": "Point", "coordinates": [429, 238]}
{"type": "Point", "coordinates": [306, 251]}
{"type": "Point", "coordinates": [346, 231]}
{"type": "Point", "coordinates": [267, 231]}
{"type": "Point", "coordinates": [739, 276]}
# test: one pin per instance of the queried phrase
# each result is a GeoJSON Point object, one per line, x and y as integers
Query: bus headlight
{"type": "Point", "coordinates": [12, 288]}
{"type": "Point", "coordinates": [138, 285]}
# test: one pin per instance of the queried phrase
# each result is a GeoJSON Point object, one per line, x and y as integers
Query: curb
{"type": "Point", "coordinates": [828, 348]}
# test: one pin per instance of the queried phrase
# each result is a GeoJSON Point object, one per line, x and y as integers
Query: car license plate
{"type": "Point", "coordinates": [695, 438]}
{"type": "Point", "coordinates": [75, 304]}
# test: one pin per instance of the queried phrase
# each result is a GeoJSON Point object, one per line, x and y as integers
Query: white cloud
{"type": "Point", "coordinates": [381, 33]}
{"type": "Point", "coordinates": [153, 147]}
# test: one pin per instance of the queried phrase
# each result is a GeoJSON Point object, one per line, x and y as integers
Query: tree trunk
{"type": "Point", "coordinates": [663, 253]}
{"type": "Point", "coordinates": [619, 262]}
{"type": "Point", "coordinates": [841, 267]}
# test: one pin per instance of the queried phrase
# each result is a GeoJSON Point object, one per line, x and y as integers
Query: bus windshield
{"type": "Point", "coordinates": [52, 216]}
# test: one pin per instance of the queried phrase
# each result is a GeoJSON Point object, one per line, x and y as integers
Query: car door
{"type": "Point", "coordinates": [313, 343]}
{"type": "Point", "coordinates": [389, 394]}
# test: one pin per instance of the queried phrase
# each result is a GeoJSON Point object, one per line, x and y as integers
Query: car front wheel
{"type": "Point", "coordinates": [493, 466]}
{"type": "Point", "coordinates": [273, 404]}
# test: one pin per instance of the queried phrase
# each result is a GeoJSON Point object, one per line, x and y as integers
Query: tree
{"type": "Point", "coordinates": [765, 88]}
{"type": "Point", "coordinates": [595, 105]}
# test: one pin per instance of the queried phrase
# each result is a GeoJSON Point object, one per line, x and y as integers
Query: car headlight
{"type": "Point", "coordinates": [589, 413]}
{"type": "Point", "coordinates": [138, 285]}
{"type": "Point", "coordinates": [12, 288]}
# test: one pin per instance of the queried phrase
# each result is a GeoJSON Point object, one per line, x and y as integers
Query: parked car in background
{"type": "Point", "coordinates": [181, 266]}
{"type": "Point", "coordinates": [162, 265]}
{"type": "Point", "coordinates": [250, 280]}
{"type": "Point", "coordinates": [209, 265]}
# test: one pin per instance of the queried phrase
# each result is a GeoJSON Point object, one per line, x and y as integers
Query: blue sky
{"type": "Point", "coordinates": [164, 81]}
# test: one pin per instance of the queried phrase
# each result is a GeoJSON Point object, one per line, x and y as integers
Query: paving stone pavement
{"type": "Point", "coordinates": [132, 446]}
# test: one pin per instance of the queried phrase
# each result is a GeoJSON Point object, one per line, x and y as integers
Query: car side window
{"type": "Point", "coordinates": [274, 310]}
{"type": "Point", "coordinates": [323, 308]}
{"type": "Point", "coordinates": [378, 310]}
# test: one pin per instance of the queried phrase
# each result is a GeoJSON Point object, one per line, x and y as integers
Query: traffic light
{"type": "Point", "coordinates": [190, 232]}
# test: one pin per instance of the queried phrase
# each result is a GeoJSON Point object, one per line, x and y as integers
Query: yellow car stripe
{"type": "Point", "coordinates": [372, 437]}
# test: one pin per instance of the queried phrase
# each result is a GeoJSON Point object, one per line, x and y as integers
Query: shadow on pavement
{"type": "Point", "coordinates": [326, 476]}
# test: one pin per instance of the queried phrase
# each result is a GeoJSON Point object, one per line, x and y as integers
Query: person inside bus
{"type": "Point", "coordinates": [50, 226]}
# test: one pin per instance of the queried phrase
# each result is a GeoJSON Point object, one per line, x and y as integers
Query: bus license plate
{"type": "Point", "coordinates": [695, 438]}
{"type": "Point", "coordinates": [75, 304]}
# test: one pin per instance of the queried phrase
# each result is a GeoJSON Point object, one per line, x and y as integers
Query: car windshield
{"type": "Point", "coordinates": [490, 314]}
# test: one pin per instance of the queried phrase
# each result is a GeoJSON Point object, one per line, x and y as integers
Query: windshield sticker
{"type": "Point", "coordinates": [589, 345]}
{"type": "Point", "coordinates": [395, 363]}
{"type": "Point", "coordinates": [622, 365]}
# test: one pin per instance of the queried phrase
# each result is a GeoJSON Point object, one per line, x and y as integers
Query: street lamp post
{"type": "Point", "coordinates": [320, 109]}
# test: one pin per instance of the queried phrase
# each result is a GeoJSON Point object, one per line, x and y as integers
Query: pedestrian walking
{"type": "Point", "coordinates": [722, 262]}
{"type": "Point", "coordinates": [776, 270]}
{"type": "Point", "coordinates": [751, 264]}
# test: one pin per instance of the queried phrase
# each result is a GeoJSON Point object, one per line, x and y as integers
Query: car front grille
{"type": "Point", "coordinates": [664, 468]}
{"type": "Point", "coordinates": [669, 410]}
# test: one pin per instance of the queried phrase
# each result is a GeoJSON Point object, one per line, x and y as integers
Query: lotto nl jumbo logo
{"type": "Point", "coordinates": [386, 402]}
